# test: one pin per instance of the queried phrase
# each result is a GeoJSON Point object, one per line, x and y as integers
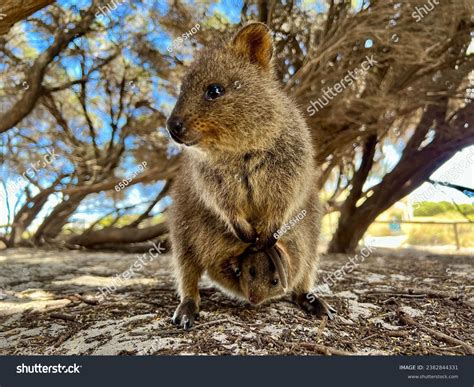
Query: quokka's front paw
{"type": "Point", "coordinates": [245, 232]}
{"type": "Point", "coordinates": [264, 242]}
{"type": "Point", "coordinates": [314, 305]}
{"type": "Point", "coordinates": [186, 313]}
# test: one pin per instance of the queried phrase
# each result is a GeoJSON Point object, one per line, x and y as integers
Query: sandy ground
{"type": "Point", "coordinates": [393, 303]}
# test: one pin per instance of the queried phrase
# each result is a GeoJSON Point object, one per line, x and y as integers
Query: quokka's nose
{"type": "Point", "coordinates": [176, 127]}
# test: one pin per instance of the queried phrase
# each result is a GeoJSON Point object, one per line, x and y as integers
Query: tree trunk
{"type": "Point", "coordinates": [53, 224]}
{"type": "Point", "coordinates": [350, 231]}
{"type": "Point", "coordinates": [352, 227]}
{"type": "Point", "coordinates": [27, 214]}
{"type": "Point", "coordinates": [119, 235]}
{"type": "Point", "coordinates": [352, 224]}
{"type": "Point", "coordinates": [25, 217]}
{"type": "Point", "coordinates": [415, 166]}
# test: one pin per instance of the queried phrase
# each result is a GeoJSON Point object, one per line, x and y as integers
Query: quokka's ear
{"type": "Point", "coordinates": [255, 43]}
{"type": "Point", "coordinates": [279, 257]}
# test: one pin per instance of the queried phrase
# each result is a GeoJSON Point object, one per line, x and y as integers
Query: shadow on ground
{"type": "Point", "coordinates": [393, 303]}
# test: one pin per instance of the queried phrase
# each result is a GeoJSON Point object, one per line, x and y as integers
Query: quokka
{"type": "Point", "coordinates": [247, 168]}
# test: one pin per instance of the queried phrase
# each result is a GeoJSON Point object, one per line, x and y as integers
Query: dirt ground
{"type": "Point", "coordinates": [403, 302]}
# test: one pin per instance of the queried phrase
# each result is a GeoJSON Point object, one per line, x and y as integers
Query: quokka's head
{"type": "Point", "coordinates": [262, 275]}
{"type": "Point", "coordinates": [259, 277]}
{"type": "Point", "coordinates": [228, 97]}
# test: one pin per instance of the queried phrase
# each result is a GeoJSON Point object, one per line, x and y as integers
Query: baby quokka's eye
{"type": "Point", "coordinates": [274, 281]}
{"type": "Point", "coordinates": [253, 272]}
{"type": "Point", "coordinates": [237, 272]}
{"type": "Point", "coordinates": [214, 91]}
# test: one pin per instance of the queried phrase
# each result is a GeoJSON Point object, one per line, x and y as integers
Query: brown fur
{"type": "Point", "coordinates": [247, 169]}
{"type": "Point", "coordinates": [257, 278]}
{"type": "Point", "coordinates": [297, 249]}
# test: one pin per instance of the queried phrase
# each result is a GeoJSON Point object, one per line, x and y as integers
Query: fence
{"type": "Point", "coordinates": [455, 226]}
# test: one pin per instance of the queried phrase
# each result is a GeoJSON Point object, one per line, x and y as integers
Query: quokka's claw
{"type": "Point", "coordinates": [185, 314]}
{"type": "Point", "coordinates": [314, 305]}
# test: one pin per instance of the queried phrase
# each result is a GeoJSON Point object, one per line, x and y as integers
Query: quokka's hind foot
{"type": "Point", "coordinates": [186, 313]}
{"type": "Point", "coordinates": [314, 305]}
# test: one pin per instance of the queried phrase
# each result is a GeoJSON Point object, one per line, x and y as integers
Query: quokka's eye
{"type": "Point", "coordinates": [274, 282]}
{"type": "Point", "coordinates": [214, 91]}
{"type": "Point", "coordinates": [237, 272]}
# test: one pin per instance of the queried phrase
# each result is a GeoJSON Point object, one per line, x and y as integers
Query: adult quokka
{"type": "Point", "coordinates": [247, 166]}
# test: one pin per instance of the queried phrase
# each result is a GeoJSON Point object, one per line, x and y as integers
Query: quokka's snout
{"type": "Point", "coordinates": [180, 131]}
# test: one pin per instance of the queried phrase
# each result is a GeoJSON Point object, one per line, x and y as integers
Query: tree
{"type": "Point", "coordinates": [367, 78]}
{"type": "Point", "coordinates": [416, 164]}
{"type": "Point", "coordinates": [11, 12]}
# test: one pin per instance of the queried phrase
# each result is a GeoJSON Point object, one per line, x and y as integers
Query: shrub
{"type": "Point", "coordinates": [438, 235]}
{"type": "Point", "coordinates": [435, 208]}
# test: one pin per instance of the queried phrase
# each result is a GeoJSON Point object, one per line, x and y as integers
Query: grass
{"type": "Point", "coordinates": [436, 235]}
{"type": "Point", "coordinates": [417, 235]}
{"type": "Point", "coordinates": [430, 234]}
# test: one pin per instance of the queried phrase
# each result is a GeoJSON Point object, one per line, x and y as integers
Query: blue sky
{"type": "Point", "coordinates": [139, 193]}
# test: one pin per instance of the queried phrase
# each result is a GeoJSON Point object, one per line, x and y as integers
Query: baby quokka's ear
{"type": "Point", "coordinates": [279, 257]}
{"type": "Point", "coordinates": [254, 42]}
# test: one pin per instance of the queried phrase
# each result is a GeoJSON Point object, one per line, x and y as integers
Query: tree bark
{"type": "Point", "coordinates": [53, 224]}
{"type": "Point", "coordinates": [349, 228]}
{"type": "Point", "coordinates": [119, 235]}
{"type": "Point", "coordinates": [27, 214]}
{"type": "Point", "coordinates": [415, 166]}
{"type": "Point", "coordinates": [12, 12]}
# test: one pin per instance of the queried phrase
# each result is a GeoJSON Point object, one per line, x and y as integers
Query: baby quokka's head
{"type": "Point", "coordinates": [228, 97]}
{"type": "Point", "coordinates": [262, 275]}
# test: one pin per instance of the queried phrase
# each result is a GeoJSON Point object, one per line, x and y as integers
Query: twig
{"type": "Point", "coordinates": [276, 343]}
{"type": "Point", "coordinates": [86, 300]}
{"type": "Point", "coordinates": [390, 299]}
{"type": "Point", "coordinates": [63, 338]}
{"type": "Point", "coordinates": [370, 336]}
{"type": "Point", "coordinates": [415, 293]}
{"type": "Point", "coordinates": [408, 320]}
{"type": "Point", "coordinates": [178, 331]}
{"type": "Point", "coordinates": [161, 332]}
{"type": "Point", "coordinates": [450, 348]}
{"type": "Point", "coordinates": [211, 323]}
{"type": "Point", "coordinates": [322, 325]}
{"type": "Point", "coordinates": [62, 316]}
{"type": "Point", "coordinates": [323, 349]}
{"type": "Point", "coordinates": [387, 333]}
{"type": "Point", "coordinates": [404, 295]}
{"type": "Point", "coordinates": [398, 333]}
{"type": "Point", "coordinates": [391, 294]}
